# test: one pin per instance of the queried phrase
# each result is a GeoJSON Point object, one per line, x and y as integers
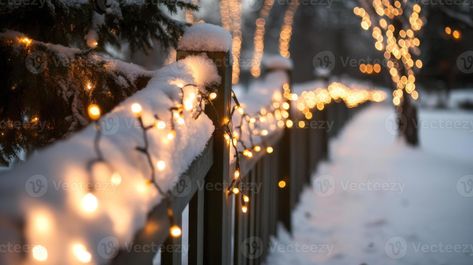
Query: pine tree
{"type": "Point", "coordinates": [53, 63]}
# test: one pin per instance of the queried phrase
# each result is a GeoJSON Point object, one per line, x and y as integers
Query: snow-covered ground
{"type": "Point", "coordinates": [380, 202]}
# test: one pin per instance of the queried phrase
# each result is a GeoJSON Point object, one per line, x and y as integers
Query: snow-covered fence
{"type": "Point", "coordinates": [224, 223]}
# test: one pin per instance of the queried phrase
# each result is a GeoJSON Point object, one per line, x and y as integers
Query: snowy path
{"type": "Point", "coordinates": [379, 202]}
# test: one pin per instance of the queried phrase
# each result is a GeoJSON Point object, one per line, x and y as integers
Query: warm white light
{"type": "Point", "coordinates": [213, 96]}
{"type": "Point", "coordinates": [81, 253]}
{"type": "Point", "coordinates": [175, 231]}
{"type": "Point", "coordinates": [94, 112]}
{"type": "Point", "coordinates": [89, 203]}
{"type": "Point", "coordinates": [40, 253]}
{"type": "Point", "coordinates": [161, 165]}
{"type": "Point", "coordinates": [116, 179]}
{"type": "Point", "coordinates": [136, 109]}
{"type": "Point", "coordinates": [161, 125]}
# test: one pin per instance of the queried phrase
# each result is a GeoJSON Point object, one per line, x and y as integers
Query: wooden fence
{"type": "Point", "coordinates": [218, 231]}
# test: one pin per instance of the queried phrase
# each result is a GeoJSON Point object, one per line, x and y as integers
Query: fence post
{"type": "Point", "coordinates": [217, 203]}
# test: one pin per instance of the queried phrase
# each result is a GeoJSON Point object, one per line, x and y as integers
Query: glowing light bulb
{"type": "Point", "coordinates": [40, 253]}
{"type": "Point", "coordinates": [246, 198]}
{"type": "Point", "coordinates": [161, 125]}
{"type": "Point", "coordinates": [171, 135]}
{"type": "Point", "coordinates": [269, 149]}
{"type": "Point", "coordinates": [213, 96]}
{"type": "Point", "coordinates": [94, 112]}
{"type": "Point", "coordinates": [282, 184]}
{"type": "Point", "coordinates": [236, 175]}
{"type": "Point", "coordinates": [257, 148]}
{"type": "Point", "coordinates": [161, 165]}
{"type": "Point", "coordinates": [136, 109]}
{"type": "Point", "coordinates": [235, 190]}
{"type": "Point", "coordinates": [81, 253]}
{"type": "Point", "coordinates": [89, 203]}
{"type": "Point", "coordinates": [244, 209]}
{"type": "Point", "coordinates": [175, 231]}
{"type": "Point", "coordinates": [116, 179]}
{"type": "Point", "coordinates": [26, 41]}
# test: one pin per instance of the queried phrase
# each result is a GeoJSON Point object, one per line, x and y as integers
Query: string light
{"type": "Point", "coordinates": [258, 41]}
{"type": "Point", "coordinates": [161, 165]}
{"type": "Point", "coordinates": [89, 203]}
{"type": "Point", "coordinates": [94, 112]}
{"type": "Point", "coordinates": [81, 253]}
{"type": "Point", "coordinates": [40, 253]}
{"type": "Point", "coordinates": [398, 49]}
{"type": "Point", "coordinates": [136, 109]}
{"type": "Point", "coordinates": [282, 184]}
{"type": "Point", "coordinates": [286, 29]}
{"type": "Point", "coordinates": [175, 231]}
{"type": "Point", "coordinates": [230, 14]}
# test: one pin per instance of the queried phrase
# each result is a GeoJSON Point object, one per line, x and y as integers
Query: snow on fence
{"type": "Point", "coordinates": [115, 192]}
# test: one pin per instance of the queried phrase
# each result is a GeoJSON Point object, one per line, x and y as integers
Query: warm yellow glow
{"type": "Point", "coordinates": [89, 86]}
{"type": "Point", "coordinates": [40, 253]}
{"type": "Point", "coordinates": [236, 174]}
{"type": "Point", "coordinates": [136, 109]}
{"type": "Point", "coordinates": [235, 190]}
{"type": "Point", "coordinates": [81, 253]}
{"type": "Point", "coordinates": [116, 179]}
{"type": "Point", "coordinates": [161, 165]}
{"type": "Point", "coordinates": [94, 112]}
{"type": "Point", "coordinates": [258, 41]}
{"type": "Point", "coordinates": [282, 184]}
{"type": "Point", "coordinates": [289, 124]}
{"type": "Point", "coordinates": [213, 96]}
{"type": "Point", "coordinates": [456, 34]}
{"type": "Point", "coordinates": [160, 125]}
{"type": "Point", "coordinates": [286, 29]}
{"type": "Point", "coordinates": [448, 30]}
{"type": "Point", "coordinates": [171, 135]}
{"type": "Point", "coordinates": [89, 203]}
{"type": "Point", "coordinates": [244, 209]}
{"type": "Point", "coordinates": [175, 231]}
{"type": "Point", "coordinates": [25, 41]}
{"type": "Point", "coordinates": [246, 198]}
{"type": "Point", "coordinates": [269, 149]}
{"type": "Point", "coordinates": [257, 148]}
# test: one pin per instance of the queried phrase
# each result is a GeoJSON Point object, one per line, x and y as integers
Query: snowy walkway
{"type": "Point", "coordinates": [379, 202]}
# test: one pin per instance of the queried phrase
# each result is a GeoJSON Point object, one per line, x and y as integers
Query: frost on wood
{"type": "Point", "coordinates": [48, 189]}
{"type": "Point", "coordinates": [277, 62]}
{"type": "Point", "coordinates": [206, 37]}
